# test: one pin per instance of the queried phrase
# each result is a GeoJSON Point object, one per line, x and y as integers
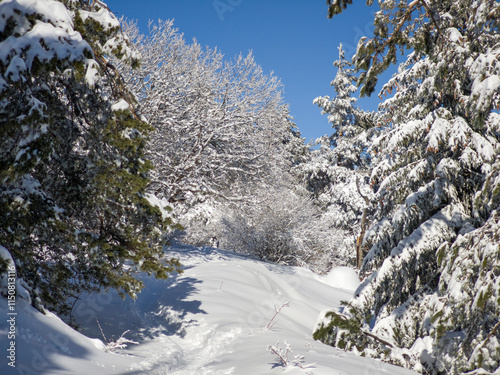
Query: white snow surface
{"type": "Point", "coordinates": [343, 278]}
{"type": "Point", "coordinates": [218, 317]}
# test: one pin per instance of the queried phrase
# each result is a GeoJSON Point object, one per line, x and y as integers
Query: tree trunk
{"type": "Point", "coordinates": [359, 242]}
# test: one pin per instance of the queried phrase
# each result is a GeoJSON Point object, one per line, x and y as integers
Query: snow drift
{"type": "Point", "coordinates": [224, 315]}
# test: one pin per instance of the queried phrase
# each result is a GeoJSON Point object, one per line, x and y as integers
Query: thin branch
{"type": "Point", "coordinates": [102, 333]}
{"type": "Point", "coordinates": [493, 331]}
{"type": "Point", "coordinates": [271, 324]}
{"type": "Point", "coordinates": [359, 242]}
{"type": "Point", "coordinates": [404, 19]}
{"type": "Point", "coordinates": [386, 343]}
{"type": "Point", "coordinates": [398, 28]}
{"type": "Point", "coordinates": [367, 201]}
{"type": "Point", "coordinates": [431, 16]}
{"type": "Point", "coordinates": [283, 360]}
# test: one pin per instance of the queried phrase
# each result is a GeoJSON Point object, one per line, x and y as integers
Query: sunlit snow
{"type": "Point", "coordinates": [218, 317]}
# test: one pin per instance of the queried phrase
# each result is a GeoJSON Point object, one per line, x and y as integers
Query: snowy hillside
{"type": "Point", "coordinates": [218, 317]}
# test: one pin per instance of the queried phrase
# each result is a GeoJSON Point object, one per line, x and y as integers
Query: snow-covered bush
{"type": "Point", "coordinates": [120, 343]}
{"type": "Point", "coordinates": [286, 358]}
{"type": "Point", "coordinates": [202, 222]}
{"type": "Point", "coordinates": [278, 225]}
{"type": "Point", "coordinates": [274, 227]}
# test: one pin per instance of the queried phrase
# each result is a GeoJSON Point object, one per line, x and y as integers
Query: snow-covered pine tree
{"type": "Point", "coordinates": [430, 298]}
{"type": "Point", "coordinates": [72, 166]}
{"type": "Point", "coordinates": [349, 142]}
{"type": "Point", "coordinates": [337, 6]}
{"type": "Point", "coordinates": [340, 165]}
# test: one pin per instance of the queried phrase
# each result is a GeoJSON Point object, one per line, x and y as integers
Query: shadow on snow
{"type": "Point", "coordinates": [163, 307]}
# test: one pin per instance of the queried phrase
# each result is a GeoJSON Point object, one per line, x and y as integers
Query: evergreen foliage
{"type": "Point", "coordinates": [429, 300]}
{"type": "Point", "coordinates": [337, 6]}
{"type": "Point", "coordinates": [340, 166]}
{"type": "Point", "coordinates": [350, 123]}
{"type": "Point", "coordinates": [73, 171]}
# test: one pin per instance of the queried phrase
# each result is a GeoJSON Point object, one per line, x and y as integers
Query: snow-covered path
{"type": "Point", "coordinates": [218, 317]}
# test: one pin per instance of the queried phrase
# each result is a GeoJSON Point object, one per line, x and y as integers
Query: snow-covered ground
{"type": "Point", "coordinates": [218, 317]}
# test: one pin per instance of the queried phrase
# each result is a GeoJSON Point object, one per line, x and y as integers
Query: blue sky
{"type": "Point", "coordinates": [292, 38]}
